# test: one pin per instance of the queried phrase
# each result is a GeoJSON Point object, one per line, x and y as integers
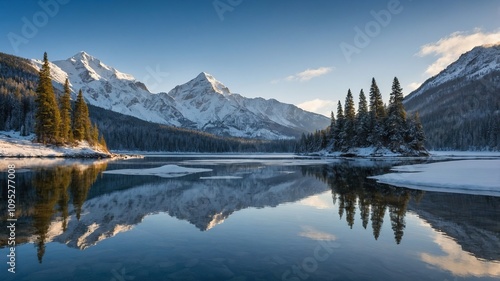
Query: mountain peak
{"type": "Point", "coordinates": [90, 68]}
{"type": "Point", "coordinates": [217, 86]}
{"type": "Point", "coordinates": [82, 56]}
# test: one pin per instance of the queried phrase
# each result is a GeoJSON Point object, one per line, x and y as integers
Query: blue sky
{"type": "Point", "coordinates": [304, 52]}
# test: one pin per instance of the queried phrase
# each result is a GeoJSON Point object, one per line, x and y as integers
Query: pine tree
{"type": "Point", "coordinates": [377, 115]}
{"type": "Point", "coordinates": [350, 120]}
{"type": "Point", "coordinates": [419, 136]}
{"type": "Point", "coordinates": [415, 133]}
{"type": "Point", "coordinates": [333, 123]}
{"type": "Point", "coordinates": [396, 120]}
{"type": "Point", "coordinates": [377, 107]}
{"type": "Point", "coordinates": [94, 134]}
{"type": "Point", "coordinates": [338, 140]}
{"type": "Point", "coordinates": [102, 142]}
{"type": "Point", "coordinates": [65, 108]}
{"type": "Point", "coordinates": [81, 121]}
{"type": "Point", "coordinates": [362, 121]}
{"type": "Point", "coordinates": [47, 118]}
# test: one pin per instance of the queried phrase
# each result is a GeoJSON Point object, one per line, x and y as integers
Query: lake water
{"type": "Point", "coordinates": [248, 218]}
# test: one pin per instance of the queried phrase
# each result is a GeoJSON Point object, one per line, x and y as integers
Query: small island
{"type": "Point", "coordinates": [379, 130]}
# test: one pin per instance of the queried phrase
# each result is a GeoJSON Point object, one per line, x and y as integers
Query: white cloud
{"type": "Point", "coordinates": [317, 202]}
{"type": "Point", "coordinates": [309, 74]}
{"type": "Point", "coordinates": [314, 234]}
{"type": "Point", "coordinates": [458, 261]}
{"type": "Point", "coordinates": [448, 49]}
{"type": "Point", "coordinates": [318, 106]}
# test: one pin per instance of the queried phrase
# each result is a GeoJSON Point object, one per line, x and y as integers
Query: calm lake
{"type": "Point", "coordinates": [247, 217]}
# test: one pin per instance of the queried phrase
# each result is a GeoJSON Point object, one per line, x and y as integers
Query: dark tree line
{"type": "Point", "coordinates": [461, 114]}
{"type": "Point", "coordinates": [18, 82]}
{"type": "Point", "coordinates": [123, 132]}
{"type": "Point", "coordinates": [373, 125]}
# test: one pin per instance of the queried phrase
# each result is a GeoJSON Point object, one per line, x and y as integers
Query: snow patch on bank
{"type": "Point", "coordinates": [481, 177]}
{"type": "Point", "coordinates": [12, 144]}
{"type": "Point", "coordinates": [166, 171]}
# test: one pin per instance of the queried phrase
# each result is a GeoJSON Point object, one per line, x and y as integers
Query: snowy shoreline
{"type": "Point", "coordinates": [13, 145]}
{"type": "Point", "coordinates": [479, 177]}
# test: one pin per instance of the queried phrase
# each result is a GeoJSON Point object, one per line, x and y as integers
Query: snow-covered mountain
{"type": "Point", "coordinates": [460, 106]}
{"type": "Point", "coordinates": [202, 103]}
{"type": "Point", "coordinates": [472, 65]}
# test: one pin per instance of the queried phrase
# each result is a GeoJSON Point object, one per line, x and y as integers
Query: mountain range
{"type": "Point", "coordinates": [202, 103]}
{"type": "Point", "coordinates": [460, 107]}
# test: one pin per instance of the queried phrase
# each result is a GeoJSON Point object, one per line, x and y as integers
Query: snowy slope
{"type": "Point", "coordinates": [213, 108]}
{"type": "Point", "coordinates": [460, 107]}
{"type": "Point", "coordinates": [472, 65]}
{"type": "Point", "coordinates": [202, 103]}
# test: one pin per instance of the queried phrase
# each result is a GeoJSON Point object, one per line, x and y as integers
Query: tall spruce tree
{"type": "Point", "coordinates": [377, 115]}
{"type": "Point", "coordinates": [47, 117]}
{"type": "Point", "coordinates": [65, 108]}
{"type": "Point", "coordinates": [362, 121]}
{"type": "Point", "coordinates": [81, 121]}
{"type": "Point", "coordinates": [377, 107]}
{"type": "Point", "coordinates": [349, 131]}
{"type": "Point", "coordinates": [333, 122]}
{"type": "Point", "coordinates": [415, 134]}
{"type": "Point", "coordinates": [338, 140]}
{"type": "Point", "coordinates": [396, 120]}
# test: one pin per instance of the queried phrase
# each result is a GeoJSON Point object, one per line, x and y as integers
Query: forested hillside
{"type": "Point", "coordinates": [123, 132]}
{"type": "Point", "coordinates": [18, 82]}
{"type": "Point", "coordinates": [460, 107]}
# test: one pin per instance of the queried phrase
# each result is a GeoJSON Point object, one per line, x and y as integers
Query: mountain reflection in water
{"type": "Point", "coordinates": [76, 205]}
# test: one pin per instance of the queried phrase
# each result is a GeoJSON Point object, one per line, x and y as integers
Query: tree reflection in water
{"type": "Point", "coordinates": [350, 188]}
{"type": "Point", "coordinates": [52, 187]}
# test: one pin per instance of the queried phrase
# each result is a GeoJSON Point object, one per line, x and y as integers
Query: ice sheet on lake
{"type": "Point", "coordinates": [480, 177]}
{"type": "Point", "coordinates": [221, 178]}
{"type": "Point", "coordinates": [166, 171]}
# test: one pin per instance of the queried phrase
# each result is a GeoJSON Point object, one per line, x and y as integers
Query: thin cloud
{"type": "Point", "coordinates": [314, 234]}
{"type": "Point", "coordinates": [319, 106]}
{"type": "Point", "coordinates": [448, 49]}
{"type": "Point", "coordinates": [316, 202]}
{"type": "Point", "coordinates": [309, 74]}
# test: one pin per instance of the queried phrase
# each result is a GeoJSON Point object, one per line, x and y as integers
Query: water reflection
{"type": "Point", "coordinates": [350, 189]}
{"type": "Point", "coordinates": [74, 205]}
{"type": "Point", "coordinates": [44, 200]}
{"type": "Point", "coordinates": [459, 262]}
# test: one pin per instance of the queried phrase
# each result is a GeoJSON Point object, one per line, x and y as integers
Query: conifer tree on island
{"type": "Point", "coordinates": [65, 108]}
{"type": "Point", "coordinates": [362, 121]}
{"type": "Point", "coordinates": [396, 121]}
{"type": "Point", "coordinates": [81, 121]}
{"type": "Point", "coordinates": [379, 127]}
{"type": "Point", "coordinates": [350, 116]}
{"type": "Point", "coordinates": [377, 115]}
{"type": "Point", "coordinates": [47, 117]}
